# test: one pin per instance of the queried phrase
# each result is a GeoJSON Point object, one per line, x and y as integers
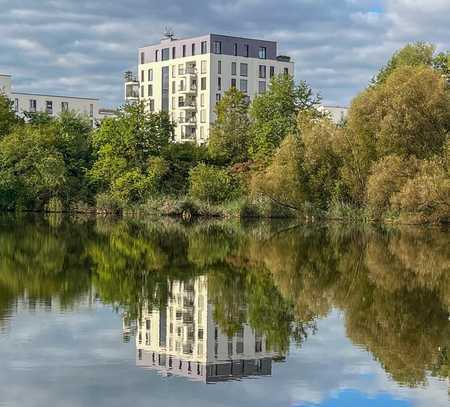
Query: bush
{"type": "Point", "coordinates": [426, 197]}
{"type": "Point", "coordinates": [54, 205]}
{"type": "Point", "coordinates": [387, 178]}
{"type": "Point", "coordinates": [211, 184]}
{"type": "Point", "coordinates": [108, 203]}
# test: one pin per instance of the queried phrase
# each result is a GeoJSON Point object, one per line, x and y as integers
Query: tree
{"type": "Point", "coordinates": [229, 138]}
{"type": "Point", "coordinates": [32, 170]}
{"type": "Point", "coordinates": [211, 184]}
{"type": "Point", "coordinates": [126, 147]}
{"type": "Point", "coordinates": [274, 114]}
{"type": "Point", "coordinates": [413, 55]}
{"type": "Point", "coordinates": [74, 142]}
{"type": "Point", "coordinates": [407, 115]}
{"type": "Point", "coordinates": [387, 178]}
{"type": "Point", "coordinates": [8, 118]}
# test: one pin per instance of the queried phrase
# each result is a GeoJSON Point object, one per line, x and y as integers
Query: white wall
{"type": "Point", "coordinates": [79, 105]}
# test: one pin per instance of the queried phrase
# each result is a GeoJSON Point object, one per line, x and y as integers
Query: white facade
{"type": "Point", "coordinates": [184, 340]}
{"type": "Point", "coordinates": [199, 71]}
{"type": "Point", "coordinates": [338, 114]}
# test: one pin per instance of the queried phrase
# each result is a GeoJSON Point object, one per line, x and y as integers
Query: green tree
{"type": "Point", "coordinates": [274, 114]}
{"type": "Point", "coordinates": [126, 148]}
{"type": "Point", "coordinates": [8, 118]}
{"type": "Point", "coordinates": [32, 170]}
{"type": "Point", "coordinates": [229, 137]}
{"type": "Point", "coordinates": [211, 184]}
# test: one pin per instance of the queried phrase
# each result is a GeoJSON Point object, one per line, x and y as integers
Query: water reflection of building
{"type": "Point", "coordinates": [184, 340]}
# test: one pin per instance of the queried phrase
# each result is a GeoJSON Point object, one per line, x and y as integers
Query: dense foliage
{"type": "Point", "coordinates": [389, 160]}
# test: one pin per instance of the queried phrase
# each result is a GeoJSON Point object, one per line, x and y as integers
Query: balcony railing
{"type": "Point", "coordinates": [187, 120]}
{"type": "Point", "coordinates": [189, 70]}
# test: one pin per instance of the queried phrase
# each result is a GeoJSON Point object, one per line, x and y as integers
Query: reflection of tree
{"type": "Point", "coordinates": [39, 262]}
{"type": "Point", "coordinates": [392, 285]}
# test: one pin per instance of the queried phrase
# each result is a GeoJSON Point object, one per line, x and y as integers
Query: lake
{"type": "Point", "coordinates": [104, 312]}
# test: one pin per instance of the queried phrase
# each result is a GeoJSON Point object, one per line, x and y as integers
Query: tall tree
{"type": "Point", "coordinates": [274, 114]}
{"type": "Point", "coordinates": [229, 139]}
{"type": "Point", "coordinates": [8, 118]}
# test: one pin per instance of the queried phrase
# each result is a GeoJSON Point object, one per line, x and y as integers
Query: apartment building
{"type": "Point", "coordinates": [338, 114]}
{"type": "Point", "coordinates": [183, 339]}
{"type": "Point", "coordinates": [24, 102]}
{"type": "Point", "coordinates": [187, 77]}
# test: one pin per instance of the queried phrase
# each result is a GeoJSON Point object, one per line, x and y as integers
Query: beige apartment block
{"type": "Point", "coordinates": [187, 77]}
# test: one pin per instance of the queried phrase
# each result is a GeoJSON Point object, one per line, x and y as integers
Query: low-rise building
{"type": "Point", "coordinates": [25, 102]}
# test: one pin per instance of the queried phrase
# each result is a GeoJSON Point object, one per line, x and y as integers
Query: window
{"type": "Point", "coordinates": [16, 105]}
{"type": "Point", "coordinates": [150, 90]}
{"type": "Point", "coordinates": [156, 55]}
{"type": "Point", "coordinates": [202, 100]}
{"type": "Point", "coordinates": [165, 54]}
{"type": "Point", "coordinates": [49, 107]}
{"type": "Point", "coordinates": [202, 135]}
{"type": "Point", "coordinates": [203, 116]}
{"type": "Point", "coordinates": [217, 47]}
{"type": "Point", "coordinates": [150, 74]}
{"type": "Point", "coordinates": [243, 85]}
{"type": "Point", "coordinates": [64, 106]}
{"type": "Point", "coordinates": [233, 68]}
{"type": "Point", "coordinates": [181, 69]}
{"type": "Point", "coordinates": [203, 84]}
{"type": "Point", "coordinates": [174, 87]}
{"type": "Point", "coordinates": [262, 53]}
{"type": "Point", "coordinates": [184, 51]}
{"type": "Point", "coordinates": [193, 49]}
{"type": "Point", "coordinates": [165, 84]}
{"type": "Point", "coordinates": [174, 71]}
{"type": "Point", "coordinates": [142, 58]}
{"type": "Point", "coordinates": [219, 83]}
{"type": "Point", "coordinates": [91, 110]}
{"type": "Point", "coordinates": [244, 69]}
{"type": "Point", "coordinates": [203, 67]}
{"type": "Point", "coordinates": [235, 49]}
{"type": "Point", "coordinates": [272, 71]}
{"type": "Point", "coordinates": [262, 71]}
{"type": "Point", "coordinates": [174, 52]}
{"type": "Point", "coordinates": [174, 106]}
{"type": "Point", "coordinates": [142, 91]}
{"type": "Point", "coordinates": [218, 97]}
{"type": "Point", "coordinates": [180, 104]}
{"type": "Point", "coordinates": [262, 87]}
{"type": "Point", "coordinates": [286, 71]}
{"type": "Point", "coordinates": [233, 82]}
{"type": "Point", "coordinates": [152, 105]}
{"type": "Point", "coordinates": [247, 50]}
{"type": "Point", "coordinates": [142, 76]}
{"type": "Point", "coordinates": [204, 47]}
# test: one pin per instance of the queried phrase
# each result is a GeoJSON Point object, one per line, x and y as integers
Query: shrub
{"type": "Point", "coordinates": [211, 184]}
{"type": "Point", "coordinates": [387, 178]}
{"type": "Point", "coordinates": [106, 202]}
{"type": "Point", "coordinates": [426, 197]}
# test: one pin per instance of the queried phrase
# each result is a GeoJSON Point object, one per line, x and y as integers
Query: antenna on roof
{"type": "Point", "coordinates": [169, 33]}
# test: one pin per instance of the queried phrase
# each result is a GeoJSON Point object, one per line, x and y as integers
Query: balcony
{"type": "Point", "coordinates": [187, 90]}
{"type": "Point", "coordinates": [187, 121]}
{"type": "Point", "coordinates": [190, 105]}
{"type": "Point", "coordinates": [188, 71]}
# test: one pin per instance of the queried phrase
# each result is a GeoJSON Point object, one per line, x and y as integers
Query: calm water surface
{"type": "Point", "coordinates": [142, 313]}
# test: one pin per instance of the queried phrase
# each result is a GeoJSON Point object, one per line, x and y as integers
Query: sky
{"type": "Point", "coordinates": [82, 48]}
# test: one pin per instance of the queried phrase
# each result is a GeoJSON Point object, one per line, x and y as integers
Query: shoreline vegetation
{"type": "Point", "coordinates": [275, 157]}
